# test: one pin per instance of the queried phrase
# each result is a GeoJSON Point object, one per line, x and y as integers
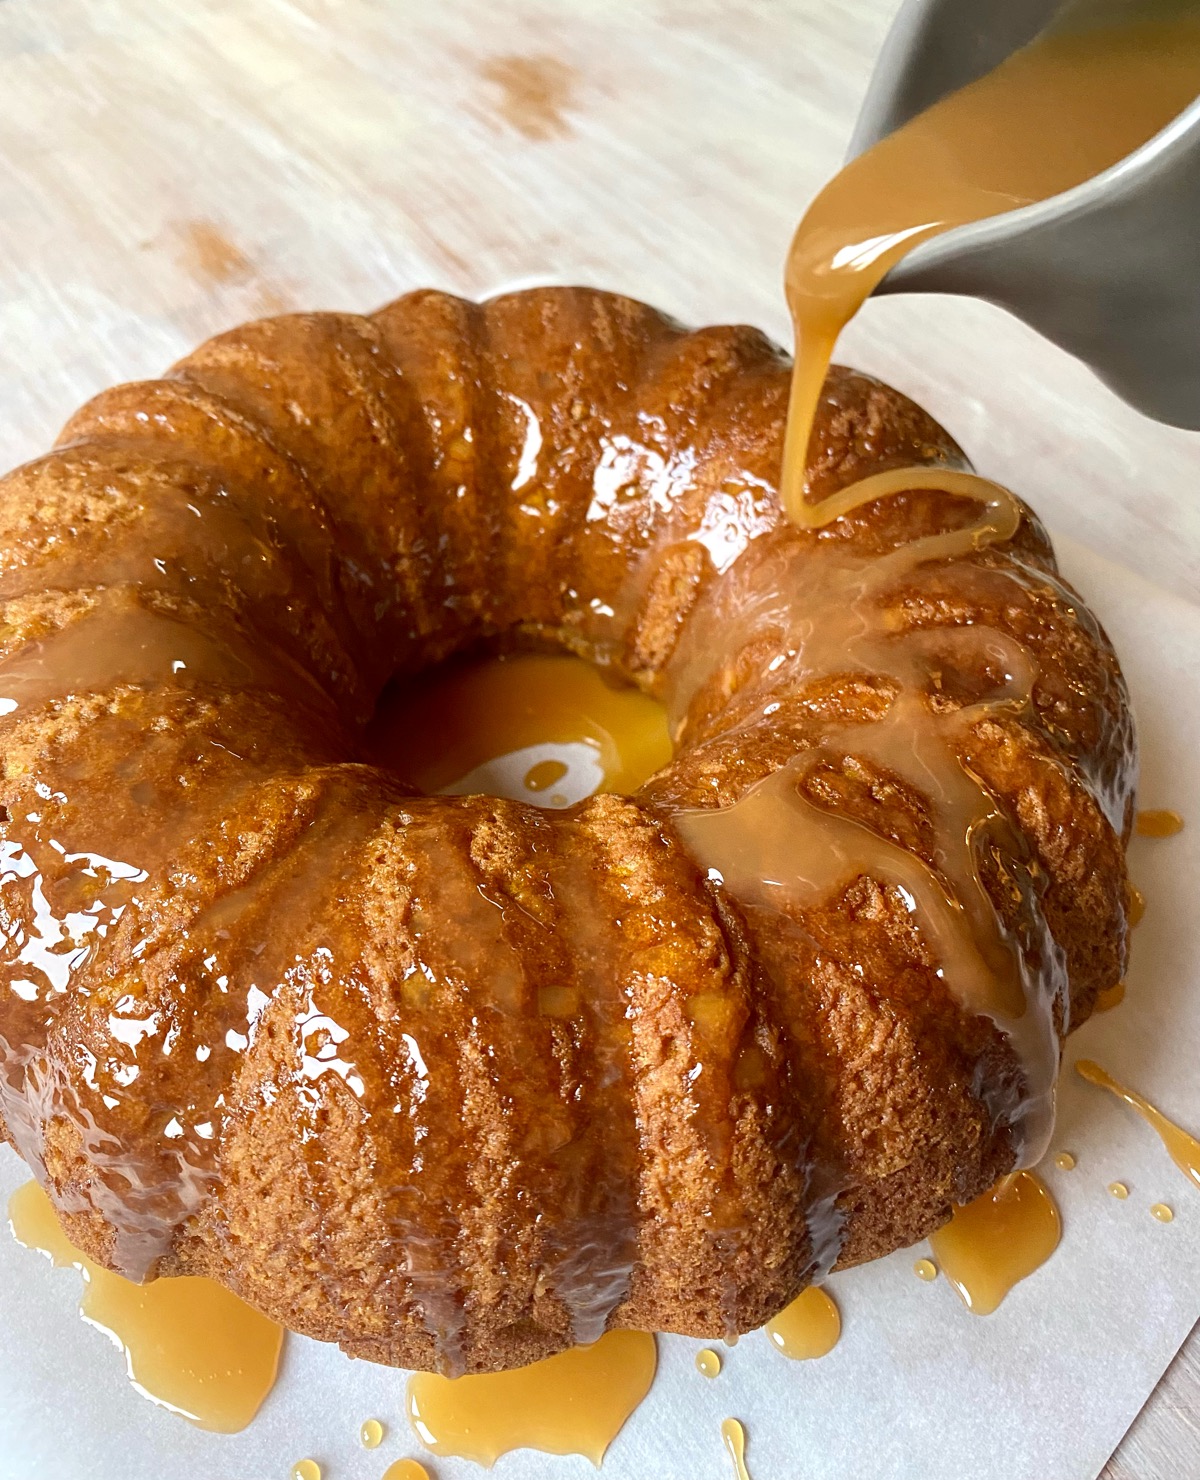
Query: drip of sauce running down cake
{"type": "Point", "coordinates": [572, 1403]}
{"type": "Point", "coordinates": [998, 1240]}
{"type": "Point", "coordinates": [1182, 1147]}
{"type": "Point", "coordinates": [189, 1344]}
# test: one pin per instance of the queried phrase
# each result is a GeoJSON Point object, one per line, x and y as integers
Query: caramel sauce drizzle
{"type": "Point", "coordinates": [1182, 1147]}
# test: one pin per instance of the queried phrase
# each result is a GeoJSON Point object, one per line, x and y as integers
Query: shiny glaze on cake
{"type": "Point", "coordinates": [454, 1081]}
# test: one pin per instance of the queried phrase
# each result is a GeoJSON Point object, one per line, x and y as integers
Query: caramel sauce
{"type": "Point", "coordinates": [926, 1270]}
{"type": "Point", "coordinates": [1065, 1161]}
{"type": "Point", "coordinates": [1182, 1147]}
{"type": "Point", "coordinates": [1110, 997]}
{"type": "Point", "coordinates": [1162, 1213]}
{"type": "Point", "coordinates": [534, 727]}
{"type": "Point", "coordinates": [406, 1469]}
{"type": "Point", "coordinates": [306, 1469]}
{"type": "Point", "coordinates": [1158, 824]}
{"type": "Point", "coordinates": [1118, 1190]}
{"type": "Point", "coordinates": [1137, 906]}
{"type": "Point", "coordinates": [572, 1403]}
{"type": "Point", "coordinates": [998, 1240]}
{"type": "Point", "coordinates": [734, 1437]}
{"type": "Point", "coordinates": [370, 1435]}
{"type": "Point", "coordinates": [807, 1328]}
{"type": "Point", "coordinates": [189, 1344]}
{"type": "Point", "coordinates": [708, 1363]}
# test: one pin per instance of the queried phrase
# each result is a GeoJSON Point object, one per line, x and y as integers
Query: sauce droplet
{"type": "Point", "coordinates": [809, 1327]}
{"type": "Point", "coordinates": [1118, 1190]}
{"type": "Point", "coordinates": [998, 1240]}
{"type": "Point", "coordinates": [1183, 1148]}
{"type": "Point", "coordinates": [306, 1469]}
{"type": "Point", "coordinates": [190, 1344]}
{"type": "Point", "coordinates": [925, 1269]}
{"type": "Point", "coordinates": [572, 1403]}
{"type": "Point", "coordinates": [406, 1469]}
{"type": "Point", "coordinates": [734, 1436]}
{"type": "Point", "coordinates": [1137, 905]}
{"type": "Point", "coordinates": [1065, 1160]}
{"type": "Point", "coordinates": [708, 1363]}
{"type": "Point", "coordinates": [1110, 997]}
{"type": "Point", "coordinates": [1161, 1212]}
{"type": "Point", "coordinates": [1158, 824]}
{"type": "Point", "coordinates": [370, 1436]}
{"type": "Point", "coordinates": [544, 775]}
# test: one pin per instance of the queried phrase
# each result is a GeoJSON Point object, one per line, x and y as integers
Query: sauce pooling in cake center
{"type": "Point", "coordinates": [533, 727]}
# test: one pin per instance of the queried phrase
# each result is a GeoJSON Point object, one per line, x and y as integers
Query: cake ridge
{"type": "Point", "coordinates": [736, 1100]}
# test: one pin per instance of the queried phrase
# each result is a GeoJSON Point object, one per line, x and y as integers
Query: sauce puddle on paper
{"type": "Point", "coordinates": [807, 1328]}
{"type": "Point", "coordinates": [992, 1244]}
{"type": "Point", "coordinates": [571, 1403]}
{"type": "Point", "coordinates": [189, 1344]}
{"type": "Point", "coordinates": [406, 1469]}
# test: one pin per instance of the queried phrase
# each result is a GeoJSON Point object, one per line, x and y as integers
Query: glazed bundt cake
{"type": "Point", "coordinates": [453, 1081]}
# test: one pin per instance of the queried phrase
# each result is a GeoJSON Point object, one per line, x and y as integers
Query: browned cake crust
{"type": "Point", "coordinates": [452, 1081]}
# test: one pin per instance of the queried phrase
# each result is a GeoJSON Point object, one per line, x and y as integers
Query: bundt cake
{"type": "Point", "coordinates": [453, 1081]}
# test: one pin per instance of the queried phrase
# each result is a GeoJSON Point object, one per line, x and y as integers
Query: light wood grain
{"type": "Point", "coordinates": [167, 170]}
{"type": "Point", "coordinates": [1164, 1441]}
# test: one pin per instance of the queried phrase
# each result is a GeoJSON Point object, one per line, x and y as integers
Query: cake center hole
{"type": "Point", "coordinates": [542, 728]}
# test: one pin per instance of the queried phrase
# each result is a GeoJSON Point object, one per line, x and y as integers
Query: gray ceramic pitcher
{"type": "Point", "coordinates": [1110, 270]}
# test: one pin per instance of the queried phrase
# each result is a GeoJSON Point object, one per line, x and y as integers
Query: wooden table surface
{"type": "Point", "coordinates": [167, 170]}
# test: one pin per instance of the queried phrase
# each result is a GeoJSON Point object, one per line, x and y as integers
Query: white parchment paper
{"type": "Point", "coordinates": [917, 1389]}
{"type": "Point", "coordinates": [350, 152]}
